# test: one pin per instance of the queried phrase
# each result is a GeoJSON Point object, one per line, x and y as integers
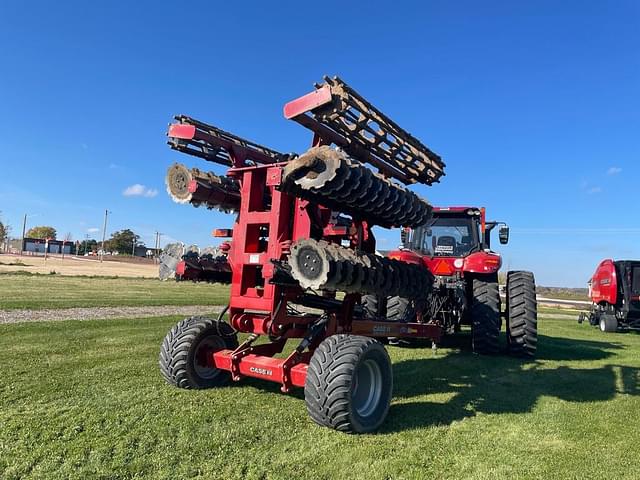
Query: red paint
{"type": "Point", "coordinates": [604, 283]}
{"type": "Point", "coordinates": [182, 131]}
{"type": "Point", "coordinates": [307, 102]}
{"type": "Point", "coordinates": [482, 262]}
{"type": "Point", "coordinates": [181, 267]}
{"type": "Point", "coordinates": [408, 256]}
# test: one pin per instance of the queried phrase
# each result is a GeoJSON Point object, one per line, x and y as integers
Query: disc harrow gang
{"type": "Point", "coordinates": [202, 188]}
{"type": "Point", "coordinates": [328, 176]}
{"type": "Point", "coordinates": [210, 267]}
{"type": "Point", "coordinates": [321, 265]}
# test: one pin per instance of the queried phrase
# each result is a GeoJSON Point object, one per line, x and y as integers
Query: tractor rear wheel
{"type": "Point", "coordinates": [400, 309]}
{"type": "Point", "coordinates": [485, 314]}
{"type": "Point", "coordinates": [349, 384]}
{"type": "Point", "coordinates": [373, 305]}
{"type": "Point", "coordinates": [185, 354]}
{"type": "Point", "coordinates": [522, 314]}
{"type": "Point", "coordinates": [608, 322]}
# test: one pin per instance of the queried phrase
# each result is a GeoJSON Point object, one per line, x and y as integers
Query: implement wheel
{"type": "Point", "coordinates": [185, 354]}
{"type": "Point", "coordinates": [485, 314]}
{"type": "Point", "coordinates": [608, 323]}
{"type": "Point", "coordinates": [349, 384]}
{"type": "Point", "coordinates": [522, 314]}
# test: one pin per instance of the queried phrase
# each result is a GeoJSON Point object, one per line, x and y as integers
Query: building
{"type": "Point", "coordinates": [40, 245]}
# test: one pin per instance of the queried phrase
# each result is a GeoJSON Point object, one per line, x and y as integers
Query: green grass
{"type": "Point", "coordinates": [85, 400]}
{"type": "Point", "coordinates": [56, 291]}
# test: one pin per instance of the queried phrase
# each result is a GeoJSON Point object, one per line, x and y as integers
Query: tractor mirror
{"type": "Point", "coordinates": [503, 234]}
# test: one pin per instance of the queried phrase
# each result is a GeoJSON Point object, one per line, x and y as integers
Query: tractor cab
{"type": "Point", "coordinates": [454, 232]}
{"type": "Point", "coordinates": [454, 240]}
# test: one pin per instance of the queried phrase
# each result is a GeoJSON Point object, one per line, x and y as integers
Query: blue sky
{"type": "Point", "coordinates": [534, 106]}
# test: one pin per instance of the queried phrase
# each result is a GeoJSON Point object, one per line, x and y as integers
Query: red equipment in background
{"type": "Point", "coordinates": [614, 290]}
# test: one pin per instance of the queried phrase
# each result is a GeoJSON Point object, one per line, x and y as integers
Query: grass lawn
{"type": "Point", "coordinates": [85, 400]}
{"type": "Point", "coordinates": [54, 291]}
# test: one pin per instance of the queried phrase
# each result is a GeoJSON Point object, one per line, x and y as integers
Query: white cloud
{"type": "Point", "coordinates": [614, 170]}
{"type": "Point", "coordinates": [593, 190]}
{"type": "Point", "coordinates": [93, 230]}
{"type": "Point", "coordinates": [114, 166]}
{"type": "Point", "coordinates": [138, 190]}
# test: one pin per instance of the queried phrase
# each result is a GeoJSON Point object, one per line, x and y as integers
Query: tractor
{"type": "Point", "coordinates": [303, 260]}
{"type": "Point", "coordinates": [614, 290]}
{"type": "Point", "coordinates": [455, 246]}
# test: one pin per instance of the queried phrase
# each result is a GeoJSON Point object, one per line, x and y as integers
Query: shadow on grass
{"type": "Point", "coordinates": [474, 384]}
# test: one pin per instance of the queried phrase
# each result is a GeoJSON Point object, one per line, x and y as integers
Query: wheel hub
{"type": "Point", "coordinates": [367, 388]}
{"type": "Point", "coordinates": [202, 358]}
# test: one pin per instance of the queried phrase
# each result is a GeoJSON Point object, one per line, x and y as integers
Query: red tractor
{"type": "Point", "coordinates": [303, 255]}
{"type": "Point", "coordinates": [614, 290]}
{"type": "Point", "coordinates": [455, 245]}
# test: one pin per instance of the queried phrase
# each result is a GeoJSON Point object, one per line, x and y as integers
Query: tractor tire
{"type": "Point", "coordinates": [485, 315]}
{"type": "Point", "coordinates": [184, 351]}
{"type": "Point", "coordinates": [349, 384]}
{"type": "Point", "coordinates": [608, 323]}
{"type": "Point", "coordinates": [522, 314]}
{"type": "Point", "coordinates": [373, 306]}
{"type": "Point", "coordinates": [400, 309]}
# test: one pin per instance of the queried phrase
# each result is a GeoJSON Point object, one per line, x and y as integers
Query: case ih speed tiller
{"type": "Point", "coordinates": [302, 258]}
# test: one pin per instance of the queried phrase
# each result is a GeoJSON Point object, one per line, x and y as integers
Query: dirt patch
{"type": "Point", "coordinates": [71, 265]}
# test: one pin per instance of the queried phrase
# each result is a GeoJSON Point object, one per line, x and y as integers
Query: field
{"type": "Point", "coordinates": [45, 291]}
{"type": "Point", "coordinates": [71, 265]}
{"type": "Point", "coordinates": [85, 400]}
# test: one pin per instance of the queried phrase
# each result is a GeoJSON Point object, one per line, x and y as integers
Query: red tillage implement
{"type": "Point", "coordinates": [303, 232]}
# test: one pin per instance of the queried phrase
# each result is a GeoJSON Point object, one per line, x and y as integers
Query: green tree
{"type": "Point", "coordinates": [4, 232]}
{"type": "Point", "coordinates": [42, 232]}
{"type": "Point", "coordinates": [87, 246]}
{"type": "Point", "coordinates": [122, 241]}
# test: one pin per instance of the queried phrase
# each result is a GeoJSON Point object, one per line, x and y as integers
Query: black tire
{"type": "Point", "coordinates": [608, 323]}
{"type": "Point", "coordinates": [400, 309]}
{"type": "Point", "coordinates": [522, 314]}
{"type": "Point", "coordinates": [349, 384]}
{"type": "Point", "coordinates": [373, 306]}
{"type": "Point", "coordinates": [181, 362]}
{"type": "Point", "coordinates": [485, 314]}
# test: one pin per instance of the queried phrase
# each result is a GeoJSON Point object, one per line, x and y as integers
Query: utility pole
{"type": "Point", "coordinates": [133, 249]}
{"type": "Point", "coordinates": [104, 232]}
{"type": "Point", "coordinates": [157, 249]}
{"type": "Point", "coordinates": [24, 229]}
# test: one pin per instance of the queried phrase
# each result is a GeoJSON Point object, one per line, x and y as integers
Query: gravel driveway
{"type": "Point", "coordinates": [102, 313]}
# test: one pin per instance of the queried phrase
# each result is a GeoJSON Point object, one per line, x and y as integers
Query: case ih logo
{"type": "Point", "coordinates": [261, 371]}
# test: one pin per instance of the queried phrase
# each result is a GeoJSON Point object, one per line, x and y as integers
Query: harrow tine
{"type": "Point", "coordinates": [344, 117]}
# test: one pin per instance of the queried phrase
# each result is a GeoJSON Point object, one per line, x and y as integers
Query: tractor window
{"type": "Point", "coordinates": [450, 236]}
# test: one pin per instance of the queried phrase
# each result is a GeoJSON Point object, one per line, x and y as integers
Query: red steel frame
{"type": "Point", "coordinates": [263, 233]}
